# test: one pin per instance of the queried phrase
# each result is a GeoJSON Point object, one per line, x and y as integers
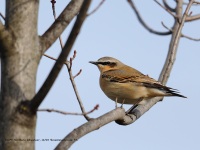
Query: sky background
{"type": "Point", "coordinates": [115, 31]}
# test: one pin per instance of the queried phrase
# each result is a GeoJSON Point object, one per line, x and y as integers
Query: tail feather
{"type": "Point", "coordinates": [169, 91]}
{"type": "Point", "coordinates": [174, 92]}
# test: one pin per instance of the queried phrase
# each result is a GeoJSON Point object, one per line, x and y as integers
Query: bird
{"type": "Point", "coordinates": [127, 85]}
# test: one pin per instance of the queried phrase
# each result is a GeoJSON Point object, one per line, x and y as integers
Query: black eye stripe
{"type": "Point", "coordinates": [107, 63]}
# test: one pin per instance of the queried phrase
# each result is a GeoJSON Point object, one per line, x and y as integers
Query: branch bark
{"type": "Point", "coordinates": [39, 97]}
{"type": "Point", "coordinates": [165, 73]}
{"type": "Point", "coordinates": [168, 7]}
{"type": "Point", "coordinates": [182, 35]}
{"type": "Point", "coordinates": [55, 30]}
{"type": "Point", "coordinates": [19, 44]}
{"type": "Point", "coordinates": [90, 126]}
{"type": "Point", "coordinates": [5, 38]}
{"type": "Point", "coordinates": [192, 18]}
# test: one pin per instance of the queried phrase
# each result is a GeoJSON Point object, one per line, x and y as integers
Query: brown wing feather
{"type": "Point", "coordinates": [133, 75]}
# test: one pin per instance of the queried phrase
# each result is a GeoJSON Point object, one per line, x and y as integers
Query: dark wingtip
{"type": "Point", "coordinates": [174, 92]}
{"type": "Point", "coordinates": [179, 95]}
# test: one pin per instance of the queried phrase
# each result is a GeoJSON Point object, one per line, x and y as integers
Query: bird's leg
{"type": "Point", "coordinates": [122, 103]}
{"type": "Point", "coordinates": [116, 102]}
{"type": "Point", "coordinates": [135, 105]}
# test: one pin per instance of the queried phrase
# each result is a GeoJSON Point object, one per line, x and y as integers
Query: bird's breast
{"type": "Point", "coordinates": [129, 91]}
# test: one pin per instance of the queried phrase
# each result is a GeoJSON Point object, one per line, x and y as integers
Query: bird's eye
{"type": "Point", "coordinates": [106, 63]}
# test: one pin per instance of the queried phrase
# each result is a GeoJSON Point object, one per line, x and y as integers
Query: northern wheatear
{"type": "Point", "coordinates": [127, 85]}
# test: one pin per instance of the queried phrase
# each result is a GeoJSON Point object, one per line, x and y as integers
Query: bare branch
{"type": "Point", "coordinates": [53, 2]}
{"type": "Point", "coordinates": [76, 91]}
{"type": "Point", "coordinates": [192, 18]}
{"type": "Point", "coordinates": [141, 109]}
{"type": "Point", "coordinates": [190, 38]}
{"type": "Point", "coordinates": [168, 7]}
{"type": "Point", "coordinates": [133, 115]}
{"type": "Point", "coordinates": [69, 65]}
{"type": "Point", "coordinates": [182, 35]}
{"type": "Point", "coordinates": [196, 2]}
{"type": "Point", "coordinates": [98, 6]}
{"type": "Point", "coordinates": [174, 43]}
{"type": "Point", "coordinates": [1, 27]}
{"type": "Point", "coordinates": [39, 97]}
{"type": "Point", "coordinates": [5, 38]}
{"type": "Point", "coordinates": [74, 86]}
{"type": "Point", "coordinates": [71, 59]}
{"type": "Point", "coordinates": [49, 57]}
{"type": "Point", "coordinates": [143, 23]}
{"type": "Point", "coordinates": [90, 126]}
{"type": "Point", "coordinates": [165, 8]}
{"type": "Point", "coordinates": [2, 16]}
{"type": "Point", "coordinates": [55, 30]}
{"type": "Point", "coordinates": [68, 113]}
{"type": "Point", "coordinates": [77, 74]}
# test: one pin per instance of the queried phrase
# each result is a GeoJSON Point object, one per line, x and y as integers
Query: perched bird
{"type": "Point", "coordinates": [127, 85]}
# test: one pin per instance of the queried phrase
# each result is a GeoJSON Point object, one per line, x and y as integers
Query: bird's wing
{"type": "Point", "coordinates": [132, 75]}
{"type": "Point", "coordinates": [127, 74]}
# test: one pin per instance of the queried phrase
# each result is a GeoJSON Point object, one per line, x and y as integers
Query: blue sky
{"type": "Point", "coordinates": [115, 31]}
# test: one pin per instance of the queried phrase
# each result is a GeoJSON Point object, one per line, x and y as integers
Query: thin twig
{"type": "Point", "coordinates": [74, 86]}
{"type": "Point", "coordinates": [98, 6]}
{"type": "Point", "coordinates": [168, 7]}
{"type": "Point", "coordinates": [77, 93]}
{"type": "Point", "coordinates": [71, 60]}
{"type": "Point", "coordinates": [182, 35]}
{"type": "Point", "coordinates": [196, 2]}
{"type": "Point", "coordinates": [165, 9]}
{"type": "Point", "coordinates": [143, 23]}
{"type": "Point", "coordinates": [77, 74]}
{"type": "Point", "coordinates": [53, 2]}
{"type": "Point", "coordinates": [2, 16]}
{"type": "Point", "coordinates": [192, 18]}
{"type": "Point", "coordinates": [69, 66]}
{"type": "Point", "coordinates": [69, 113]}
{"type": "Point", "coordinates": [190, 38]}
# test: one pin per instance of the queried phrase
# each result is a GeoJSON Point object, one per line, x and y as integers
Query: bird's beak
{"type": "Point", "coordinates": [94, 62]}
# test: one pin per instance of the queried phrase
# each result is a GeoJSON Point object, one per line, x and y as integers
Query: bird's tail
{"type": "Point", "coordinates": [173, 92]}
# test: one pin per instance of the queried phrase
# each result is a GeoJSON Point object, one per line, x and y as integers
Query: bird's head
{"type": "Point", "coordinates": [107, 63]}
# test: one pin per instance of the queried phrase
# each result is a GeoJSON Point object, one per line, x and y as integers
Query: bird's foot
{"type": "Point", "coordinates": [134, 111]}
{"type": "Point", "coordinates": [122, 103]}
{"type": "Point", "coordinates": [116, 102]}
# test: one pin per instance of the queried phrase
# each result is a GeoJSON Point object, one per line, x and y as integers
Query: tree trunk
{"type": "Point", "coordinates": [19, 62]}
